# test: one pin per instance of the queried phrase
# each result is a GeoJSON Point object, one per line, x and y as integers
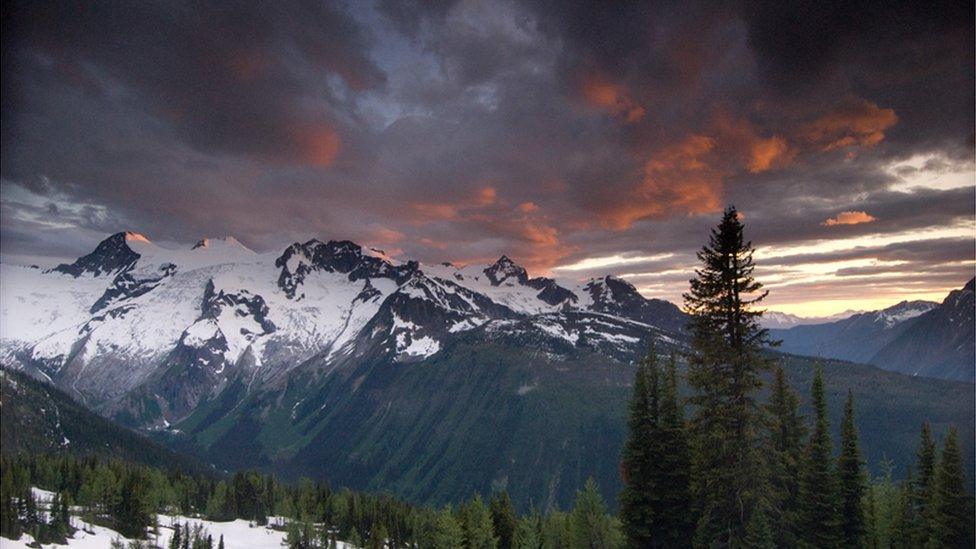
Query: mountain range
{"type": "Point", "coordinates": [335, 361]}
{"type": "Point", "coordinates": [919, 338]}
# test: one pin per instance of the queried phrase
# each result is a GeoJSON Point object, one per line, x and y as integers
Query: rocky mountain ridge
{"type": "Point", "coordinates": [136, 329]}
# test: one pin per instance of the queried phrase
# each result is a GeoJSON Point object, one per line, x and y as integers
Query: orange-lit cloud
{"type": "Point", "coordinates": [487, 196]}
{"type": "Point", "coordinates": [433, 211]}
{"type": "Point", "coordinates": [742, 145]}
{"type": "Point", "coordinates": [528, 207]}
{"type": "Point", "coordinates": [319, 146]}
{"type": "Point", "coordinates": [431, 243]}
{"type": "Point", "coordinates": [679, 178]}
{"type": "Point", "coordinates": [856, 122]}
{"type": "Point", "coordinates": [445, 211]}
{"type": "Point", "coordinates": [765, 154]}
{"type": "Point", "coordinates": [383, 236]}
{"type": "Point", "coordinates": [849, 218]}
{"type": "Point", "coordinates": [615, 98]}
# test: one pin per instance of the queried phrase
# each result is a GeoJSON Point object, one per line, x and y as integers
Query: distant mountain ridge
{"type": "Point", "coordinates": [938, 343]}
{"type": "Point", "coordinates": [912, 337]}
{"type": "Point", "coordinates": [776, 320]}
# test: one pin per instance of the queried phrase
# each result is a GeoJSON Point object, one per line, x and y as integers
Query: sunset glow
{"type": "Point", "coordinates": [464, 133]}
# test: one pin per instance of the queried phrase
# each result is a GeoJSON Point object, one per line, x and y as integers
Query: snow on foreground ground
{"type": "Point", "coordinates": [238, 534]}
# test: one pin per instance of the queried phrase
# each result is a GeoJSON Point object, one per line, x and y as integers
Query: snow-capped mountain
{"type": "Point", "coordinates": [775, 320]}
{"type": "Point", "coordinates": [938, 343]}
{"type": "Point", "coordinates": [914, 337]}
{"type": "Point", "coordinates": [133, 327]}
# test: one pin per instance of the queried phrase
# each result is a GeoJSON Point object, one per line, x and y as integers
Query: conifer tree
{"type": "Point", "coordinates": [724, 372]}
{"type": "Point", "coordinates": [57, 526]}
{"type": "Point", "coordinates": [187, 537]}
{"type": "Point", "coordinates": [527, 532]}
{"type": "Point", "coordinates": [886, 494]}
{"type": "Point", "coordinates": [852, 480]}
{"type": "Point", "coordinates": [502, 518]}
{"type": "Point", "coordinates": [787, 433]}
{"type": "Point", "coordinates": [176, 541]}
{"type": "Point", "coordinates": [636, 499]}
{"type": "Point", "coordinates": [476, 524]}
{"type": "Point", "coordinates": [557, 531]}
{"type": "Point", "coordinates": [220, 544]}
{"type": "Point", "coordinates": [759, 535]}
{"type": "Point", "coordinates": [951, 514]}
{"type": "Point", "coordinates": [591, 526]}
{"type": "Point", "coordinates": [924, 486]}
{"type": "Point", "coordinates": [672, 520]}
{"type": "Point", "coordinates": [871, 534]}
{"type": "Point", "coordinates": [818, 497]}
{"type": "Point", "coordinates": [903, 530]}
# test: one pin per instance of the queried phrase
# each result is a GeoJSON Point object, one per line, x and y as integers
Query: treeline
{"type": "Point", "coordinates": [127, 497]}
{"type": "Point", "coordinates": [744, 473]}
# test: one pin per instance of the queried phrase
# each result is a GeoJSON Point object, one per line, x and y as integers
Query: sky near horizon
{"type": "Point", "coordinates": [577, 139]}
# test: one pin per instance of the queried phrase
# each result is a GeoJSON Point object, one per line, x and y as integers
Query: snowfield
{"type": "Point", "coordinates": [238, 534]}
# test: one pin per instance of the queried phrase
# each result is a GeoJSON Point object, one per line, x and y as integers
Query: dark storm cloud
{"type": "Point", "coordinates": [227, 77]}
{"type": "Point", "coordinates": [550, 131]}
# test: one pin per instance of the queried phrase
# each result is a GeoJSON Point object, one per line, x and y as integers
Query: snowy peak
{"type": "Point", "coordinates": [900, 312]}
{"type": "Point", "coordinates": [776, 320]}
{"type": "Point", "coordinates": [618, 297]}
{"type": "Point", "coordinates": [224, 243]}
{"type": "Point", "coordinates": [610, 293]}
{"type": "Point", "coordinates": [112, 255]}
{"type": "Point", "coordinates": [938, 343]}
{"type": "Point", "coordinates": [505, 269]}
{"type": "Point", "coordinates": [345, 257]}
{"type": "Point", "coordinates": [506, 272]}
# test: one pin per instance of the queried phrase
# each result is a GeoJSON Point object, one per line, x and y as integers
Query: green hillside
{"type": "Point", "coordinates": [37, 418]}
{"type": "Point", "coordinates": [480, 415]}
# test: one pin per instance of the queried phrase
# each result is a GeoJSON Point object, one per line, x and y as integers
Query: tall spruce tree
{"type": "Point", "coordinates": [786, 436]}
{"type": "Point", "coordinates": [479, 533]}
{"type": "Point", "coordinates": [590, 525]}
{"type": "Point", "coordinates": [673, 526]}
{"type": "Point", "coordinates": [951, 514]}
{"type": "Point", "coordinates": [724, 370]}
{"type": "Point", "coordinates": [852, 480]}
{"type": "Point", "coordinates": [637, 497]}
{"type": "Point", "coordinates": [503, 518]}
{"type": "Point", "coordinates": [759, 535]}
{"type": "Point", "coordinates": [903, 531]}
{"type": "Point", "coordinates": [872, 538]}
{"type": "Point", "coordinates": [818, 497]}
{"type": "Point", "coordinates": [924, 485]}
{"type": "Point", "coordinates": [527, 532]}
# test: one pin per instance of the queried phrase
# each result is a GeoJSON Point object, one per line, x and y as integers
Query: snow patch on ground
{"type": "Point", "coordinates": [238, 534]}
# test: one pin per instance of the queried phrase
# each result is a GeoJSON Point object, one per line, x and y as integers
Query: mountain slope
{"type": "Point", "coordinates": [38, 418]}
{"type": "Point", "coordinates": [856, 338]}
{"type": "Point", "coordinates": [482, 414]}
{"type": "Point", "coordinates": [918, 338]}
{"type": "Point", "coordinates": [940, 343]}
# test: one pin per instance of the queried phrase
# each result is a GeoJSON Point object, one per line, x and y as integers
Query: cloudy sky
{"type": "Point", "coordinates": [580, 140]}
